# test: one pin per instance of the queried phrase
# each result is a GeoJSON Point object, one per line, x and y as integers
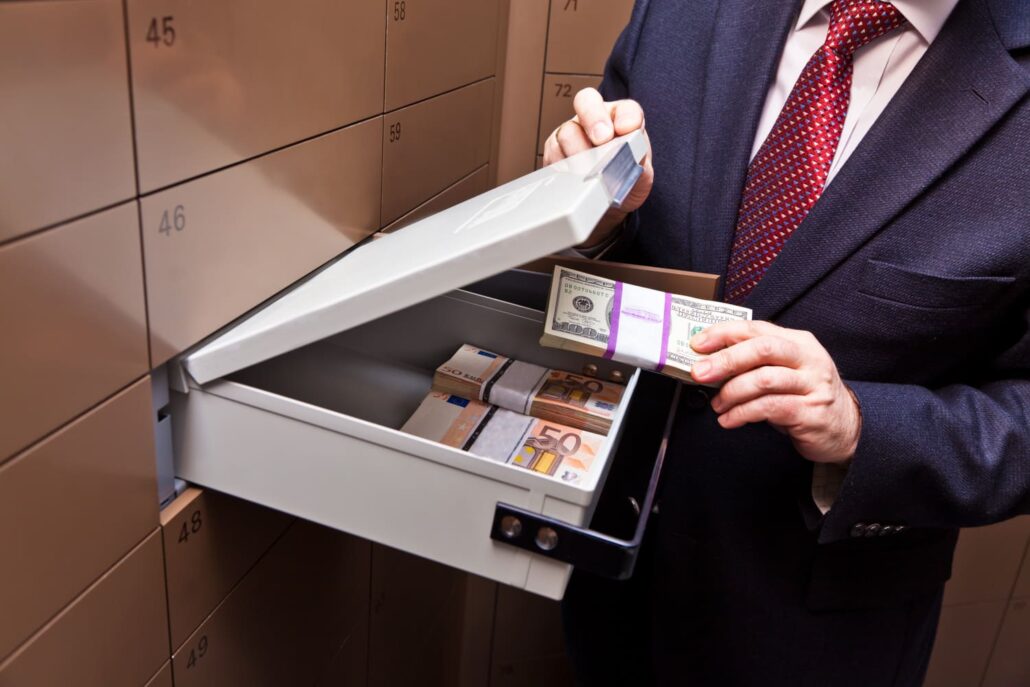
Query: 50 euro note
{"type": "Point", "coordinates": [555, 395]}
{"type": "Point", "coordinates": [643, 327]}
{"type": "Point", "coordinates": [501, 435]}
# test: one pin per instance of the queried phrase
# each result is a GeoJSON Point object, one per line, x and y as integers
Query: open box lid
{"type": "Point", "coordinates": [541, 213]}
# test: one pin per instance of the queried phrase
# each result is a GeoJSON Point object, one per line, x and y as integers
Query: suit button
{"type": "Point", "coordinates": [695, 399]}
{"type": "Point", "coordinates": [900, 528]}
{"type": "Point", "coordinates": [872, 530]}
{"type": "Point", "coordinates": [887, 529]}
{"type": "Point", "coordinates": [858, 529]}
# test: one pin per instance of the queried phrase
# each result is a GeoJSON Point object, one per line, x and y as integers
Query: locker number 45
{"type": "Point", "coordinates": [170, 219]}
{"type": "Point", "coordinates": [161, 31]}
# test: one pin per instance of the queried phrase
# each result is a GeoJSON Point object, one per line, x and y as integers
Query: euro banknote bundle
{"type": "Point", "coordinates": [504, 436]}
{"type": "Point", "coordinates": [642, 327]}
{"type": "Point", "coordinates": [554, 395]}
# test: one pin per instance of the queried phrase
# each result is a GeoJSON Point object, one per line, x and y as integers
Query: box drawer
{"type": "Point", "coordinates": [314, 432]}
{"type": "Point", "coordinates": [430, 145]}
{"type": "Point", "coordinates": [217, 246]}
{"type": "Point", "coordinates": [435, 47]}
{"type": "Point", "coordinates": [288, 620]}
{"type": "Point", "coordinates": [218, 82]}
{"type": "Point", "coordinates": [67, 131]}
{"type": "Point", "coordinates": [210, 542]}
{"type": "Point", "coordinates": [114, 635]}
{"type": "Point", "coordinates": [556, 102]}
{"type": "Point", "coordinates": [74, 322]}
{"type": "Point", "coordinates": [81, 499]}
{"type": "Point", "coordinates": [581, 33]}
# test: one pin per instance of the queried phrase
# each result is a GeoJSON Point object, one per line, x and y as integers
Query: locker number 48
{"type": "Point", "coordinates": [172, 219]}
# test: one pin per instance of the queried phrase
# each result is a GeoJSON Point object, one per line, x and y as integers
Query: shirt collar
{"type": "Point", "coordinates": [926, 16]}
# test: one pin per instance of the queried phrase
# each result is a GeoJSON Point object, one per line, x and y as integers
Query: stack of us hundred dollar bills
{"type": "Point", "coordinates": [549, 421]}
{"type": "Point", "coordinates": [643, 327]}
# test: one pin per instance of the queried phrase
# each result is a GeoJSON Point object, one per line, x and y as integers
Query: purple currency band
{"type": "Point", "coordinates": [613, 335]}
{"type": "Point", "coordinates": [666, 323]}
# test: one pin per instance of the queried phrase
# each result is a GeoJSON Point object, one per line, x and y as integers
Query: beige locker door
{"type": "Point", "coordinates": [219, 82]}
{"type": "Point", "coordinates": [73, 320]}
{"type": "Point", "coordinates": [581, 33]}
{"type": "Point", "coordinates": [435, 46]}
{"type": "Point", "coordinates": [217, 246]}
{"type": "Point", "coordinates": [114, 635]}
{"type": "Point", "coordinates": [430, 145]}
{"type": "Point", "coordinates": [66, 135]}
{"type": "Point", "coordinates": [82, 498]}
{"type": "Point", "coordinates": [211, 540]}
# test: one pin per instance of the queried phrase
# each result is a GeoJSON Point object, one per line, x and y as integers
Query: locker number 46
{"type": "Point", "coordinates": [172, 219]}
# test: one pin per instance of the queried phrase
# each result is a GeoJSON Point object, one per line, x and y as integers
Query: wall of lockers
{"type": "Point", "coordinates": [176, 163]}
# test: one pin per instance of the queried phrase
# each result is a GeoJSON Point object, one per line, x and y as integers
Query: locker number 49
{"type": "Point", "coordinates": [170, 219]}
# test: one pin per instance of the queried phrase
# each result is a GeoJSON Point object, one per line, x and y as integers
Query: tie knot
{"type": "Point", "coordinates": [853, 23]}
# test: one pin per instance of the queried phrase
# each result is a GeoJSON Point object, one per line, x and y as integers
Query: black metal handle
{"type": "Point", "coordinates": [587, 549]}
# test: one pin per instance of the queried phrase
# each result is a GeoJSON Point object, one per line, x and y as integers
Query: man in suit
{"type": "Point", "coordinates": [859, 171]}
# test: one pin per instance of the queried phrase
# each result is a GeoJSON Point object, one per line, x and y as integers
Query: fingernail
{"type": "Point", "coordinates": [601, 131]}
{"type": "Point", "coordinates": [702, 368]}
{"type": "Point", "coordinates": [698, 340]}
{"type": "Point", "coordinates": [717, 404]}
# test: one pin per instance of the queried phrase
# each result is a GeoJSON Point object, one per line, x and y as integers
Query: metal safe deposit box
{"type": "Point", "coordinates": [297, 406]}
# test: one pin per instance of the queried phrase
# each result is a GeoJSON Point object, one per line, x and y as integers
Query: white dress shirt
{"type": "Point", "coordinates": [879, 67]}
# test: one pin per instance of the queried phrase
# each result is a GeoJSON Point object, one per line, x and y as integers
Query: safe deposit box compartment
{"type": "Point", "coordinates": [298, 406]}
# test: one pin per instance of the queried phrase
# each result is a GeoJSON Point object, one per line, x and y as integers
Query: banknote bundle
{"type": "Point", "coordinates": [618, 321]}
{"type": "Point", "coordinates": [554, 395]}
{"type": "Point", "coordinates": [504, 436]}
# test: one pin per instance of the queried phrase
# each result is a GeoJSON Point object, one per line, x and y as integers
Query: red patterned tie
{"type": "Point", "coordinates": [789, 171]}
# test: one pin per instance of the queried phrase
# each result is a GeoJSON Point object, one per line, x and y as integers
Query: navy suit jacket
{"type": "Point", "coordinates": [912, 269]}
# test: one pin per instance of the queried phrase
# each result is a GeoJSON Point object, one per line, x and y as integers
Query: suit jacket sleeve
{"type": "Point", "coordinates": [956, 456]}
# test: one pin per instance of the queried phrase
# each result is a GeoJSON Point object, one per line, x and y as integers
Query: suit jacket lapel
{"type": "Point", "coordinates": [742, 63]}
{"type": "Point", "coordinates": [965, 82]}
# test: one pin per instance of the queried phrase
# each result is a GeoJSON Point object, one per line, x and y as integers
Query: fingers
{"type": "Point", "coordinates": [760, 382]}
{"type": "Point", "coordinates": [572, 139]}
{"type": "Point", "coordinates": [748, 355]}
{"type": "Point", "coordinates": [627, 116]}
{"type": "Point", "coordinates": [725, 334]}
{"type": "Point", "coordinates": [594, 116]}
{"type": "Point", "coordinates": [779, 410]}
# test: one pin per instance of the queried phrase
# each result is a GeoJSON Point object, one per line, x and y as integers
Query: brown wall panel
{"type": "Point", "coordinates": [210, 541]}
{"type": "Point", "coordinates": [67, 134]}
{"type": "Point", "coordinates": [287, 620]}
{"type": "Point", "coordinates": [1010, 661]}
{"type": "Point", "coordinates": [219, 82]}
{"type": "Point", "coordinates": [163, 677]}
{"type": "Point", "coordinates": [528, 646]}
{"type": "Point", "coordinates": [81, 499]}
{"type": "Point", "coordinates": [965, 637]}
{"type": "Point", "coordinates": [430, 623]}
{"type": "Point", "coordinates": [986, 562]}
{"type": "Point", "coordinates": [432, 47]}
{"type": "Point", "coordinates": [73, 320]}
{"type": "Point", "coordinates": [581, 33]}
{"type": "Point", "coordinates": [429, 146]}
{"type": "Point", "coordinates": [114, 635]}
{"type": "Point", "coordinates": [217, 246]}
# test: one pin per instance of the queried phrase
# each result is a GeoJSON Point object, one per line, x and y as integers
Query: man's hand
{"type": "Point", "coordinates": [784, 377]}
{"type": "Point", "coordinates": [597, 122]}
